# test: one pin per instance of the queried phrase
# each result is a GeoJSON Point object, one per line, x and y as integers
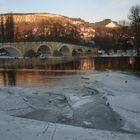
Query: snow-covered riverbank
{"type": "Point", "coordinates": [106, 102]}
{"type": "Point", "coordinates": [12, 128]}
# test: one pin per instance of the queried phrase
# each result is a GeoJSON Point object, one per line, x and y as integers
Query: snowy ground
{"type": "Point", "coordinates": [100, 105]}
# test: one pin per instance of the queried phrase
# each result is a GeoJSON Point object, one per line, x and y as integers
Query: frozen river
{"type": "Point", "coordinates": [75, 97]}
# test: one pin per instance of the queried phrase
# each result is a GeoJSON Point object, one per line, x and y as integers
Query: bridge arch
{"type": "Point", "coordinates": [44, 51]}
{"type": "Point", "coordinates": [30, 53]}
{"type": "Point", "coordinates": [10, 51]}
{"type": "Point", "coordinates": [65, 51]}
{"type": "Point", "coordinates": [75, 52]}
{"type": "Point", "coordinates": [88, 52]}
{"type": "Point", "coordinates": [80, 50]}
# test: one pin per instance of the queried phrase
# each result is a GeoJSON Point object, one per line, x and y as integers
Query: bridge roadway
{"type": "Point", "coordinates": [42, 49]}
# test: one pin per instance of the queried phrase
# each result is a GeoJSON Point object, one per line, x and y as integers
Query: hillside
{"type": "Point", "coordinates": [51, 27]}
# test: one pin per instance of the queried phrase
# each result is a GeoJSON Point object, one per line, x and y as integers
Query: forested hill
{"type": "Point", "coordinates": [106, 34]}
{"type": "Point", "coordinates": [47, 27]}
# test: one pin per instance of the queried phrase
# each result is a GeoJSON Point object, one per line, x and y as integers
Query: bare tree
{"type": "Point", "coordinates": [134, 16]}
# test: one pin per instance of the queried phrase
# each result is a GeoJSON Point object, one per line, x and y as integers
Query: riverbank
{"type": "Point", "coordinates": [105, 102]}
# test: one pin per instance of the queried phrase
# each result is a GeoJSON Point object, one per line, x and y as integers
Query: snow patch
{"type": "Point", "coordinates": [111, 25]}
{"type": "Point", "coordinates": [13, 128]}
{"type": "Point", "coordinates": [128, 106]}
{"type": "Point", "coordinates": [81, 103]}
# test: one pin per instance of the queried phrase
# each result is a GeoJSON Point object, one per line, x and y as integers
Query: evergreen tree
{"type": "Point", "coordinates": [2, 30]}
{"type": "Point", "coordinates": [9, 28]}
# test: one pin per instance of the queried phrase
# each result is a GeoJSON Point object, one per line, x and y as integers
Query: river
{"type": "Point", "coordinates": [32, 72]}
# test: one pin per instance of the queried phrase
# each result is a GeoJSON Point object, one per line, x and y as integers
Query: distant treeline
{"type": "Point", "coordinates": [114, 38]}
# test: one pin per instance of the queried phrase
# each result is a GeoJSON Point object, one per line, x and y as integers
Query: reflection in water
{"type": "Point", "coordinates": [8, 78]}
{"type": "Point", "coordinates": [32, 77]}
{"type": "Point", "coordinates": [36, 76]}
{"type": "Point", "coordinates": [114, 63]}
{"type": "Point", "coordinates": [27, 78]}
{"type": "Point", "coordinates": [42, 73]}
{"type": "Point", "coordinates": [87, 64]}
{"type": "Point", "coordinates": [131, 61]}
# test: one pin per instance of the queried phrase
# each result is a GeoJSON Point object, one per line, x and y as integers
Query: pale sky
{"type": "Point", "coordinates": [90, 10]}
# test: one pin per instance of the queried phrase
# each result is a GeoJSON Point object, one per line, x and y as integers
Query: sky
{"type": "Point", "coordinates": [89, 10]}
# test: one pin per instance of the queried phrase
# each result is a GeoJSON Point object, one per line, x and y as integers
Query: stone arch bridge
{"type": "Point", "coordinates": [43, 49]}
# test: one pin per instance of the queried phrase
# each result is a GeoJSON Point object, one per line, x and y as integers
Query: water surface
{"type": "Point", "coordinates": [31, 72]}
